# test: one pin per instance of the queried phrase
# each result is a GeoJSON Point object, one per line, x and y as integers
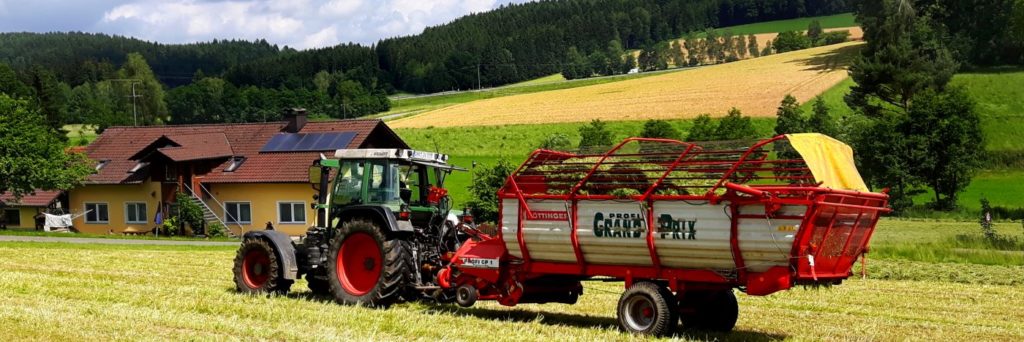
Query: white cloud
{"type": "Point", "coordinates": [297, 23]}
{"type": "Point", "coordinates": [326, 37]}
{"type": "Point", "coordinates": [341, 7]}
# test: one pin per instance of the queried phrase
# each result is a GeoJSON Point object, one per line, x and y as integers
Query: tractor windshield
{"type": "Point", "coordinates": [367, 182]}
{"type": "Point", "coordinates": [383, 183]}
{"type": "Point", "coordinates": [348, 184]}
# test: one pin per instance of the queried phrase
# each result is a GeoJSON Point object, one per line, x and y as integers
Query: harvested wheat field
{"type": "Point", "coordinates": [755, 86]}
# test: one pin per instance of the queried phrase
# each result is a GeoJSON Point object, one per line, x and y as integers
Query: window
{"type": "Point", "coordinates": [13, 217]}
{"type": "Point", "coordinates": [138, 166]}
{"type": "Point", "coordinates": [291, 212]}
{"type": "Point", "coordinates": [135, 212]}
{"type": "Point", "coordinates": [96, 213]}
{"type": "Point", "coordinates": [348, 184]}
{"type": "Point", "coordinates": [384, 180]}
{"type": "Point", "coordinates": [238, 212]}
{"type": "Point", "coordinates": [235, 163]}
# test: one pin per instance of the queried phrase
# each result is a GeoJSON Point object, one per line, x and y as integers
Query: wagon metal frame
{"type": "Point", "coordinates": [835, 226]}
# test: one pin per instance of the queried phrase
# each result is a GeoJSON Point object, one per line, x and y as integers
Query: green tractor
{"type": "Point", "coordinates": [383, 231]}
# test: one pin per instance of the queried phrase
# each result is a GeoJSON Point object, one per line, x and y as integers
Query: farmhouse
{"type": "Point", "coordinates": [244, 176]}
{"type": "Point", "coordinates": [21, 213]}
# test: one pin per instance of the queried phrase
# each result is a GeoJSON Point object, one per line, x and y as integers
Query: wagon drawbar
{"type": "Point", "coordinates": [681, 223]}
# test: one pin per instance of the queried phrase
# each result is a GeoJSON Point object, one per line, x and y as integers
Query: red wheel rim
{"type": "Point", "coordinates": [256, 268]}
{"type": "Point", "coordinates": [359, 263]}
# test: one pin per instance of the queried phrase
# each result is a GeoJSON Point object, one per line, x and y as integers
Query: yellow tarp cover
{"type": "Point", "coordinates": [830, 161]}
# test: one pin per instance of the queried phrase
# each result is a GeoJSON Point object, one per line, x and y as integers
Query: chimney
{"type": "Point", "coordinates": [295, 119]}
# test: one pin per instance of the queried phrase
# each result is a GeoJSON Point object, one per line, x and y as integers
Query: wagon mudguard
{"type": "Point", "coordinates": [379, 213]}
{"type": "Point", "coordinates": [283, 247]}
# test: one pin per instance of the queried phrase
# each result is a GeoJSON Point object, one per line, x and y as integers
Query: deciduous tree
{"type": "Point", "coordinates": [595, 134]}
{"type": "Point", "coordinates": [735, 126]}
{"type": "Point", "coordinates": [789, 118]}
{"type": "Point", "coordinates": [821, 121]}
{"type": "Point", "coordinates": [32, 155]}
{"type": "Point", "coordinates": [659, 129]}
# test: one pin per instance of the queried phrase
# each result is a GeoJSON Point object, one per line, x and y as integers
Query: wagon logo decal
{"type": "Point", "coordinates": [627, 225]}
{"type": "Point", "coordinates": [541, 215]}
{"type": "Point", "coordinates": [674, 229]}
{"type": "Point", "coordinates": [633, 225]}
{"type": "Point", "coordinates": [480, 263]}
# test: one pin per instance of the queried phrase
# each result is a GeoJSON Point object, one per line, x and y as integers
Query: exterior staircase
{"type": "Point", "coordinates": [208, 215]}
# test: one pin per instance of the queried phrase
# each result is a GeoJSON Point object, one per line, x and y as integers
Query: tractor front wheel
{"type": "Point", "coordinates": [257, 268]}
{"type": "Point", "coordinates": [647, 308]}
{"type": "Point", "coordinates": [365, 267]}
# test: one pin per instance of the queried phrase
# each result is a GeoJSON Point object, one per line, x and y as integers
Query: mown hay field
{"type": "Point", "coordinates": [755, 86]}
{"type": "Point", "coordinates": [856, 33]}
{"type": "Point", "coordinates": [64, 292]}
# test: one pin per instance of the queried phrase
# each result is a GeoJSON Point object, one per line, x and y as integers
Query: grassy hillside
{"type": "Point", "coordinates": [418, 104]}
{"type": "Point", "coordinates": [186, 293]}
{"type": "Point", "coordinates": [798, 24]}
{"type": "Point", "coordinates": [408, 105]}
{"type": "Point", "coordinates": [755, 86]}
{"type": "Point", "coordinates": [999, 96]}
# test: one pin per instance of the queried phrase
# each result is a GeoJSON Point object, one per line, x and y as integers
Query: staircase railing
{"type": "Point", "coordinates": [208, 210]}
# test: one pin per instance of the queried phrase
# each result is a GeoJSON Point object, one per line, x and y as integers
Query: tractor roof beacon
{"type": "Point", "coordinates": [382, 231]}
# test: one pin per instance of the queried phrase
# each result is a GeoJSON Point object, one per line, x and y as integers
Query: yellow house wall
{"type": "Point", "coordinates": [264, 198]}
{"type": "Point", "coordinates": [115, 196]}
{"type": "Point", "coordinates": [28, 215]}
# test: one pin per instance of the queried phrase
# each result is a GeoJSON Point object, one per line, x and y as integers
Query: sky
{"type": "Point", "coordinates": [301, 24]}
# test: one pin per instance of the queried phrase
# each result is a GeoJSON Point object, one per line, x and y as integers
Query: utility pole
{"type": "Point", "coordinates": [478, 87]}
{"type": "Point", "coordinates": [135, 111]}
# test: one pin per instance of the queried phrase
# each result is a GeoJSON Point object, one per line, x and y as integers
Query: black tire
{"type": "Point", "coordinates": [712, 311]}
{"type": "Point", "coordinates": [258, 270]}
{"type": "Point", "coordinates": [318, 286]}
{"type": "Point", "coordinates": [647, 308]}
{"type": "Point", "coordinates": [378, 274]}
{"type": "Point", "coordinates": [466, 295]}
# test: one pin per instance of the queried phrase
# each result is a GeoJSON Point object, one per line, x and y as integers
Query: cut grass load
{"type": "Point", "coordinates": [487, 144]}
{"type": "Point", "coordinates": [755, 86]}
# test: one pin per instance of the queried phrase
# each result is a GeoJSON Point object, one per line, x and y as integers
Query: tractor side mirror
{"type": "Point", "coordinates": [314, 177]}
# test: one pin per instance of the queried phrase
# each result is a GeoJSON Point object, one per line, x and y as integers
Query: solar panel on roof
{"type": "Point", "coordinates": [300, 142]}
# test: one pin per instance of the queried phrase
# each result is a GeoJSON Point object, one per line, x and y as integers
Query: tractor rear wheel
{"type": "Point", "coordinates": [257, 268]}
{"type": "Point", "coordinates": [713, 311]}
{"type": "Point", "coordinates": [647, 308]}
{"type": "Point", "coordinates": [364, 267]}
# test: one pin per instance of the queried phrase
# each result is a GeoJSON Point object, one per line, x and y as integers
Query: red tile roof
{"type": "Point", "coordinates": [197, 147]}
{"type": "Point", "coordinates": [117, 145]}
{"type": "Point", "coordinates": [39, 198]}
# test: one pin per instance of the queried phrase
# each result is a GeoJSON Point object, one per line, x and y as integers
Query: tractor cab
{"type": "Point", "coordinates": [410, 184]}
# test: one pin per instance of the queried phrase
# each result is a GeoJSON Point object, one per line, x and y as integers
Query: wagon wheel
{"type": "Point", "coordinates": [258, 270]}
{"type": "Point", "coordinates": [647, 308]}
{"type": "Point", "coordinates": [714, 311]}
